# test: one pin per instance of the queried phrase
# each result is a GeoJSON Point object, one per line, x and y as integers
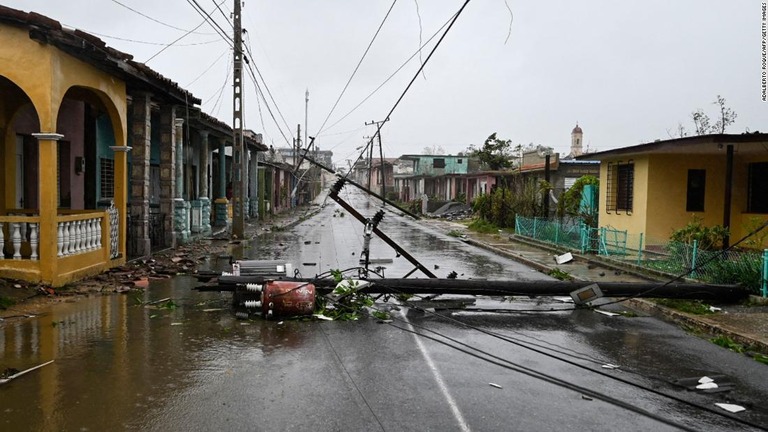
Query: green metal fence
{"type": "Point", "coordinates": [573, 235]}
{"type": "Point", "coordinates": [745, 267]}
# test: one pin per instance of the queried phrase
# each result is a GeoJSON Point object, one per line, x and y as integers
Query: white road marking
{"type": "Point", "coordinates": [439, 378]}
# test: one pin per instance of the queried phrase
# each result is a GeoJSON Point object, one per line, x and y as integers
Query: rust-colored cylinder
{"type": "Point", "coordinates": [287, 299]}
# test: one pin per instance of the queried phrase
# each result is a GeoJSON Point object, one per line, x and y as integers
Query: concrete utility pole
{"type": "Point", "coordinates": [238, 220]}
{"type": "Point", "coordinates": [306, 115]}
{"type": "Point", "coordinates": [381, 156]}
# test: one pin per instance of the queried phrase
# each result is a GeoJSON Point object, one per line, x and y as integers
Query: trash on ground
{"type": "Point", "coordinates": [606, 313]}
{"type": "Point", "coordinates": [10, 374]}
{"type": "Point", "coordinates": [176, 323]}
{"type": "Point", "coordinates": [715, 309]}
{"type": "Point", "coordinates": [585, 397]}
{"type": "Point", "coordinates": [563, 299]}
{"type": "Point", "coordinates": [212, 310]}
{"type": "Point", "coordinates": [564, 258]}
{"type": "Point", "coordinates": [322, 317]}
{"type": "Point", "coordinates": [162, 300]}
{"type": "Point", "coordinates": [707, 386]}
{"type": "Point", "coordinates": [495, 385]}
{"type": "Point", "coordinates": [731, 407]}
{"type": "Point", "coordinates": [705, 379]}
{"type": "Point", "coordinates": [610, 366]}
{"type": "Point", "coordinates": [707, 383]}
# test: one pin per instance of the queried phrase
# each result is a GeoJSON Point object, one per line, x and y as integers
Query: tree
{"type": "Point", "coordinates": [727, 116]}
{"type": "Point", "coordinates": [701, 120]}
{"type": "Point", "coordinates": [433, 150]}
{"type": "Point", "coordinates": [496, 153]}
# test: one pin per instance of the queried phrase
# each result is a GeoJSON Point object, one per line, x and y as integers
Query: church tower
{"type": "Point", "coordinates": [576, 141]}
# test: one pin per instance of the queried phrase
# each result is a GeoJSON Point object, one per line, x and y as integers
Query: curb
{"type": "Point", "coordinates": [677, 317]}
{"type": "Point", "coordinates": [653, 309]}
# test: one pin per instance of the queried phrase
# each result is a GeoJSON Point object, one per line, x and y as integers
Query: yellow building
{"type": "Point", "coordinates": [659, 187]}
{"type": "Point", "coordinates": [102, 159]}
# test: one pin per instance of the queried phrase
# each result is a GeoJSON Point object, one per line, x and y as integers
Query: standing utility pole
{"type": "Point", "coordinates": [306, 112]}
{"type": "Point", "coordinates": [238, 150]}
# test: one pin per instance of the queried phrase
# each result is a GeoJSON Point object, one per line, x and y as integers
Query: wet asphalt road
{"type": "Point", "coordinates": [120, 365]}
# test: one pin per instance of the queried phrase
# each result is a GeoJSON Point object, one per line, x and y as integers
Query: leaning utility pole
{"type": "Point", "coordinates": [381, 156]}
{"type": "Point", "coordinates": [238, 221]}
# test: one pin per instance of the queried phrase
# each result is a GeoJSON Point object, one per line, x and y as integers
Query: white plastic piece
{"type": "Point", "coordinates": [564, 258]}
{"type": "Point", "coordinates": [322, 317]}
{"type": "Point", "coordinates": [715, 309]}
{"type": "Point", "coordinates": [731, 407]}
{"type": "Point", "coordinates": [610, 366]}
{"type": "Point", "coordinates": [705, 386]}
{"type": "Point", "coordinates": [495, 385]}
{"type": "Point", "coordinates": [606, 313]}
{"type": "Point", "coordinates": [705, 379]}
{"type": "Point", "coordinates": [280, 269]}
{"type": "Point", "coordinates": [252, 287]}
{"type": "Point", "coordinates": [236, 268]}
{"type": "Point", "coordinates": [252, 304]}
{"type": "Point", "coordinates": [288, 270]}
{"type": "Point", "coordinates": [563, 299]}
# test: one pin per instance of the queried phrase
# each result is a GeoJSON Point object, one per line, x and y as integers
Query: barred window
{"type": "Point", "coordinates": [620, 186]}
{"type": "Point", "coordinates": [107, 178]}
{"type": "Point", "coordinates": [438, 163]}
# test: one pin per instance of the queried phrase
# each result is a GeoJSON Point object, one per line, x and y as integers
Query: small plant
{"type": "Point", "coordinates": [169, 305]}
{"type": "Point", "coordinates": [382, 315]}
{"type": "Point", "coordinates": [560, 274]}
{"type": "Point", "coordinates": [726, 342]}
{"type": "Point", "coordinates": [455, 233]}
{"type": "Point", "coordinates": [6, 302]}
{"type": "Point", "coordinates": [483, 226]}
{"type": "Point", "coordinates": [694, 307]}
{"type": "Point", "coordinates": [708, 238]}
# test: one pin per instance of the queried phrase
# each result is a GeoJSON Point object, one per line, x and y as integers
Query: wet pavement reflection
{"type": "Point", "coordinates": [123, 364]}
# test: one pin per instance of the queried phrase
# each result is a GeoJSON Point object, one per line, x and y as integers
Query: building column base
{"type": "Point", "coordinates": [221, 207]}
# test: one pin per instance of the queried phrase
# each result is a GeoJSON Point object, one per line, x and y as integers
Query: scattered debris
{"type": "Point", "coordinates": [732, 408]}
{"type": "Point", "coordinates": [606, 313]}
{"type": "Point", "coordinates": [176, 323]}
{"type": "Point", "coordinates": [563, 299]}
{"type": "Point", "coordinates": [212, 310]}
{"type": "Point", "coordinates": [495, 385]}
{"type": "Point", "coordinates": [715, 309]}
{"type": "Point", "coordinates": [585, 397]}
{"type": "Point", "coordinates": [11, 373]}
{"type": "Point", "coordinates": [322, 317]}
{"type": "Point", "coordinates": [610, 366]}
{"type": "Point", "coordinates": [707, 383]}
{"type": "Point", "coordinates": [564, 258]}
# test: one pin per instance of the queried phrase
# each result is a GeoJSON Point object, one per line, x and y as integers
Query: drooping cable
{"type": "Point", "coordinates": [153, 19]}
{"type": "Point", "coordinates": [354, 72]}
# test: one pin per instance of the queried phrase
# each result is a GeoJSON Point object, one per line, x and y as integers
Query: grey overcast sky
{"type": "Point", "coordinates": [627, 71]}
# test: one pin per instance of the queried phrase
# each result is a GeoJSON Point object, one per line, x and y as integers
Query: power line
{"type": "Point", "coordinates": [172, 43]}
{"type": "Point", "coordinates": [153, 19]}
{"type": "Point", "coordinates": [277, 108]}
{"type": "Point", "coordinates": [207, 69]}
{"type": "Point", "coordinates": [357, 67]}
{"type": "Point", "coordinates": [408, 60]}
{"type": "Point", "coordinates": [209, 19]}
{"type": "Point", "coordinates": [151, 43]}
{"type": "Point", "coordinates": [402, 95]}
{"type": "Point", "coordinates": [226, 18]}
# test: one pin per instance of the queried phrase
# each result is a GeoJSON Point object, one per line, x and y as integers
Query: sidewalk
{"type": "Point", "coordinates": [744, 324]}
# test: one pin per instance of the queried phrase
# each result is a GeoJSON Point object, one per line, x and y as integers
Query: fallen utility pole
{"type": "Point", "coordinates": [435, 286]}
{"type": "Point", "coordinates": [334, 195]}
